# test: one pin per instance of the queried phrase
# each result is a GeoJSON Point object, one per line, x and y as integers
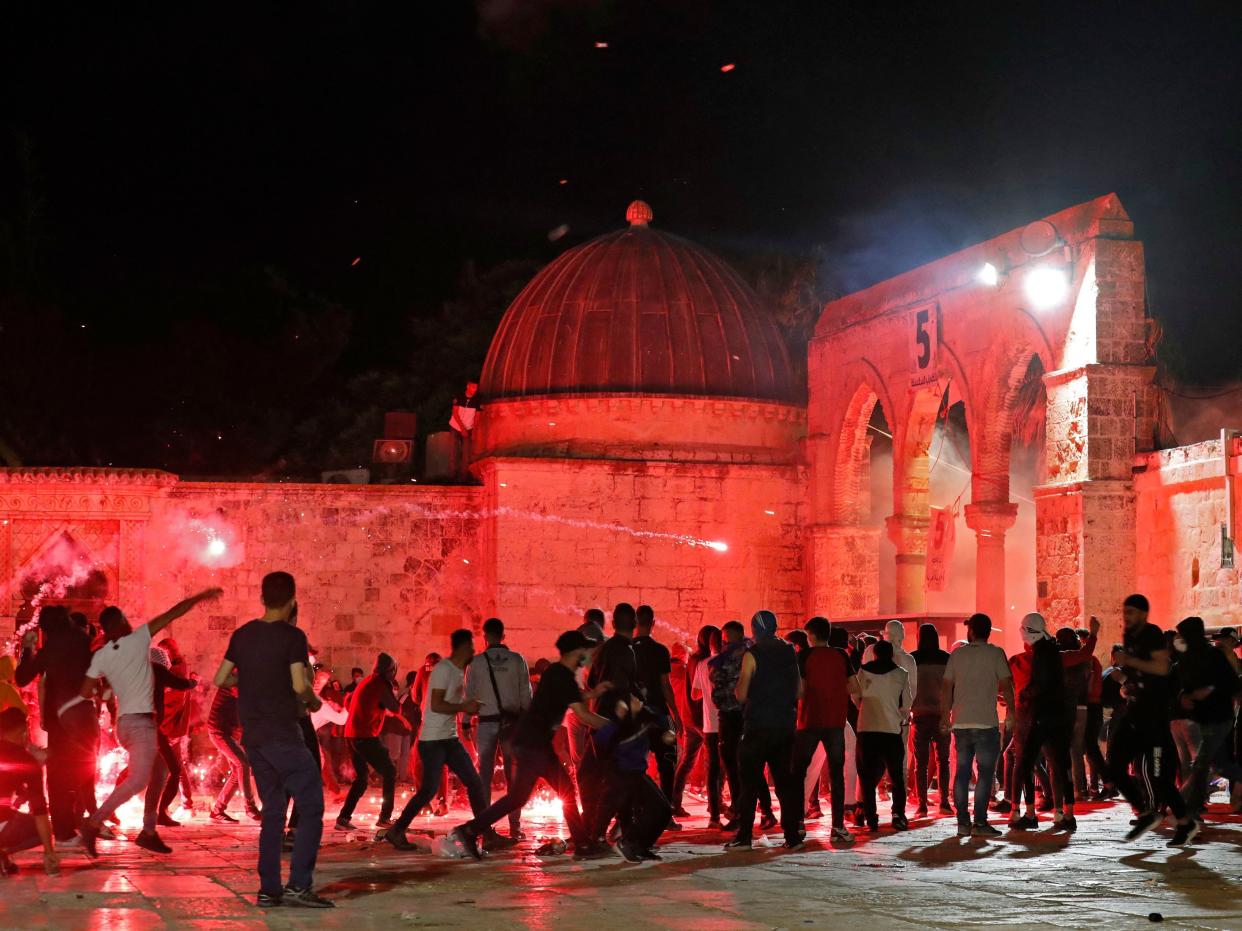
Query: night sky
{"type": "Point", "coordinates": [184, 192]}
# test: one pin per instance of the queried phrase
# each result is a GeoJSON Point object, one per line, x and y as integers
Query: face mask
{"type": "Point", "coordinates": [582, 660]}
{"type": "Point", "coordinates": [1031, 637]}
{"type": "Point", "coordinates": [1179, 644]}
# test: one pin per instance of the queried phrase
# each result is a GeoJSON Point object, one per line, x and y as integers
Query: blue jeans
{"type": "Point", "coordinates": [435, 755]}
{"type": "Point", "coordinates": [138, 734]}
{"type": "Point", "coordinates": [282, 771]}
{"type": "Point", "coordinates": [487, 742]}
{"type": "Point", "coordinates": [980, 744]}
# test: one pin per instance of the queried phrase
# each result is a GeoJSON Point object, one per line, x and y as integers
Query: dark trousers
{"type": "Point", "coordinates": [1049, 738]}
{"type": "Point", "coordinates": [714, 778]}
{"type": "Point", "coordinates": [1212, 753]}
{"type": "Point", "coordinates": [165, 777]}
{"type": "Point", "coordinates": [311, 739]}
{"type": "Point", "coordinates": [833, 739]}
{"type": "Point", "coordinates": [762, 747]}
{"type": "Point", "coordinates": [691, 743]}
{"type": "Point", "coordinates": [1148, 744]}
{"type": "Point", "coordinates": [370, 752]}
{"type": "Point", "coordinates": [926, 735]}
{"type": "Point", "coordinates": [879, 753]}
{"type": "Point", "coordinates": [665, 757]}
{"type": "Point", "coordinates": [72, 742]}
{"type": "Point", "coordinates": [19, 832]}
{"type": "Point", "coordinates": [437, 754]}
{"type": "Point", "coordinates": [730, 748]}
{"type": "Point", "coordinates": [239, 771]}
{"type": "Point", "coordinates": [282, 771]}
{"type": "Point", "coordinates": [644, 809]}
{"type": "Point", "coordinates": [1096, 766]}
{"type": "Point", "coordinates": [530, 765]}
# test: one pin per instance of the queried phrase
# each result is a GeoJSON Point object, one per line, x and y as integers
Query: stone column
{"type": "Point", "coordinates": [909, 534]}
{"type": "Point", "coordinates": [990, 520]}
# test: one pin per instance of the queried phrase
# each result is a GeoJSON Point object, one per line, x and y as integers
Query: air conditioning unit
{"type": "Point", "coordinates": [391, 452]}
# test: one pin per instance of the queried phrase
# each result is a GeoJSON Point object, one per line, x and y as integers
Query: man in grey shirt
{"type": "Point", "coordinates": [499, 681]}
{"type": "Point", "coordinates": [972, 677]}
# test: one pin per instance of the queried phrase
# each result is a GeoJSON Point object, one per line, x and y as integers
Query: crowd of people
{"type": "Point", "coordinates": [620, 727]}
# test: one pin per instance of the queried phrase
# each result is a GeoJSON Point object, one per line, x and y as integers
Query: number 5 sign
{"type": "Point", "coordinates": [925, 343]}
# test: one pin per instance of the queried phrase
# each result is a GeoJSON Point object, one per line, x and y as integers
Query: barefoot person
{"type": "Point", "coordinates": [125, 661]}
{"type": "Point", "coordinates": [269, 659]}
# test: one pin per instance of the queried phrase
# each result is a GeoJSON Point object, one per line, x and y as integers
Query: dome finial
{"type": "Point", "coordinates": [638, 213]}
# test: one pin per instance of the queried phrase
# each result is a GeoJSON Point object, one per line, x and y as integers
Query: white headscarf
{"type": "Point", "coordinates": [1034, 628]}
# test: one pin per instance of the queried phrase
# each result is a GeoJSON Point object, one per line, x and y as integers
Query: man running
{"type": "Point", "coordinates": [1140, 731]}
{"type": "Point", "coordinates": [534, 756]}
{"type": "Point", "coordinates": [125, 661]}
{"type": "Point", "coordinates": [374, 700]}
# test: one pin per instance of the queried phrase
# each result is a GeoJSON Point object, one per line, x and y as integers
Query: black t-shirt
{"type": "Point", "coordinates": [654, 663]}
{"type": "Point", "coordinates": [1149, 693]}
{"type": "Point", "coordinates": [615, 662]}
{"type": "Point", "coordinates": [557, 690]}
{"type": "Point", "coordinates": [263, 651]}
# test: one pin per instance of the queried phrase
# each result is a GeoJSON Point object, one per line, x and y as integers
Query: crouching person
{"type": "Point", "coordinates": [21, 777]}
{"type": "Point", "coordinates": [621, 748]}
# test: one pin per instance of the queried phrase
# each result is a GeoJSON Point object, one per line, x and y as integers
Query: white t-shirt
{"type": "Point", "coordinates": [445, 675]}
{"type": "Point", "coordinates": [885, 700]}
{"type": "Point", "coordinates": [703, 682]}
{"type": "Point", "coordinates": [126, 664]}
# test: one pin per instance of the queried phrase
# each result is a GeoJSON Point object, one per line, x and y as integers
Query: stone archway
{"type": "Point", "coordinates": [907, 339]}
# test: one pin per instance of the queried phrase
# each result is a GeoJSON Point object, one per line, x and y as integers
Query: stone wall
{"type": "Point", "coordinates": [1181, 507]}
{"type": "Point", "coordinates": [571, 535]}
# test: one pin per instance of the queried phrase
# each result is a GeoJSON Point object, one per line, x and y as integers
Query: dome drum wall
{"type": "Point", "coordinates": [641, 427]}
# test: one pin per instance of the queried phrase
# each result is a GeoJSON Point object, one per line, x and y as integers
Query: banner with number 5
{"type": "Point", "coordinates": [924, 344]}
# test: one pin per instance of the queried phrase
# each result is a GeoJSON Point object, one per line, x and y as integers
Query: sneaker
{"type": "Point", "coordinates": [731, 826]}
{"type": "Point", "coordinates": [106, 833]}
{"type": "Point", "coordinates": [439, 809]}
{"type": "Point", "coordinates": [304, 898]}
{"type": "Point", "coordinates": [89, 834]}
{"type": "Point", "coordinates": [220, 816]}
{"type": "Point", "coordinates": [714, 824]}
{"type": "Point", "coordinates": [873, 826]}
{"type": "Point", "coordinates": [900, 823]}
{"type": "Point", "coordinates": [494, 840]}
{"type": "Point", "coordinates": [946, 808]}
{"type": "Point", "coordinates": [1185, 834]}
{"type": "Point", "coordinates": [983, 830]}
{"type": "Point", "coordinates": [268, 900]}
{"type": "Point", "coordinates": [768, 821]}
{"type": "Point", "coordinates": [921, 812]}
{"type": "Point", "coordinates": [681, 812]}
{"type": "Point", "coordinates": [650, 854]}
{"type": "Point", "coordinates": [965, 830]}
{"type": "Point", "coordinates": [345, 825]}
{"type": "Point", "coordinates": [1142, 824]}
{"type": "Point", "coordinates": [1003, 807]}
{"type": "Point", "coordinates": [152, 842]}
{"type": "Point", "coordinates": [468, 841]}
{"type": "Point", "coordinates": [860, 816]}
{"type": "Point", "coordinates": [164, 821]}
{"type": "Point", "coordinates": [1025, 823]}
{"type": "Point", "coordinates": [630, 853]}
{"type": "Point", "coordinates": [1062, 822]}
{"type": "Point", "coordinates": [253, 813]}
{"type": "Point", "coordinates": [397, 838]}
{"type": "Point", "coordinates": [384, 824]}
{"type": "Point", "coordinates": [673, 825]}
{"type": "Point", "coordinates": [738, 843]}
{"type": "Point", "coordinates": [841, 836]}
{"type": "Point", "coordinates": [597, 851]}
{"type": "Point", "coordinates": [813, 814]}
{"type": "Point", "coordinates": [797, 842]}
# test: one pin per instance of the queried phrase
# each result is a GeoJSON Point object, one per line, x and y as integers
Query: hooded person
{"type": "Point", "coordinates": [768, 687]}
{"type": "Point", "coordinates": [931, 662]}
{"type": "Point", "coordinates": [895, 633]}
{"type": "Point", "coordinates": [1043, 726]}
{"type": "Point", "coordinates": [882, 689]}
{"type": "Point", "coordinates": [374, 700]}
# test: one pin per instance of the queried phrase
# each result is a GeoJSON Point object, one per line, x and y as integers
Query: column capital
{"type": "Point", "coordinates": [991, 518]}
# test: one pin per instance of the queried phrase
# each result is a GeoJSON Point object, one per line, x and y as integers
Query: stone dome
{"type": "Point", "coordinates": [638, 312]}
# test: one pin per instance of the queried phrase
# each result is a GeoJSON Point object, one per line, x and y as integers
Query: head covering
{"type": "Point", "coordinates": [1034, 628]}
{"type": "Point", "coordinates": [1191, 628]}
{"type": "Point", "coordinates": [895, 633]}
{"type": "Point", "coordinates": [159, 656]}
{"type": "Point", "coordinates": [1138, 601]}
{"type": "Point", "coordinates": [763, 624]}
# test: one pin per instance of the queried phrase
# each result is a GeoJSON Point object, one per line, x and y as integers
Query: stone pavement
{"type": "Point", "coordinates": [925, 878]}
